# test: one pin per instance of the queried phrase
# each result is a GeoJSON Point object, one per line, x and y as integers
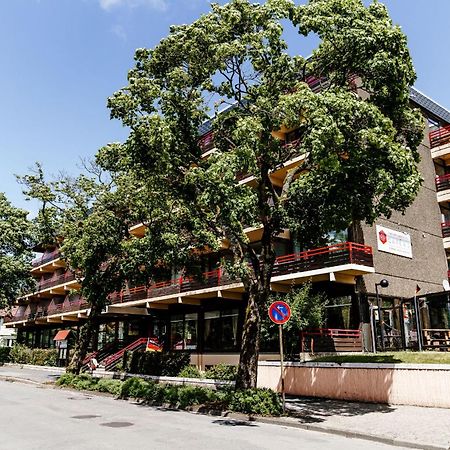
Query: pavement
{"type": "Point", "coordinates": [393, 425]}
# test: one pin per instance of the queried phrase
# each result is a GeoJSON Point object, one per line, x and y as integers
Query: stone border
{"type": "Point", "coordinates": [60, 370]}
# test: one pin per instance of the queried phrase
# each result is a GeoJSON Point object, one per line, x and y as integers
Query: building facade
{"type": "Point", "coordinates": [205, 316]}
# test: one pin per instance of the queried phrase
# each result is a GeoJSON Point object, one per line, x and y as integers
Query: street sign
{"type": "Point", "coordinates": [279, 312]}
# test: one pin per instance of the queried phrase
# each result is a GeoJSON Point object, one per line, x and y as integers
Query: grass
{"type": "Point", "coordinates": [390, 357]}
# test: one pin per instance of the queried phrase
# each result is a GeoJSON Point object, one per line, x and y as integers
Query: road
{"type": "Point", "coordinates": [39, 417]}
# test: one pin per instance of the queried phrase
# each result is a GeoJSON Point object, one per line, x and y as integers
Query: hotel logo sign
{"type": "Point", "coordinates": [395, 242]}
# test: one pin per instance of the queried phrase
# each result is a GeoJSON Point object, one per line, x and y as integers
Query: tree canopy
{"type": "Point", "coordinates": [16, 242]}
{"type": "Point", "coordinates": [356, 136]}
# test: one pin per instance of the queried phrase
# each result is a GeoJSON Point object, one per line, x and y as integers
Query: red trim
{"type": "Point", "coordinates": [440, 136]}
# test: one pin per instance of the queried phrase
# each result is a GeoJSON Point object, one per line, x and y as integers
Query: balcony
{"type": "Point", "coordinates": [48, 262]}
{"type": "Point", "coordinates": [440, 143]}
{"type": "Point", "coordinates": [339, 262]}
{"type": "Point", "coordinates": [443, 188]}
{"type": "Point", "coordinates": [445, 226]}
{"type": "Point", "coordinates": [206, 143]}
{"type": "Point", "coordinates": [56, 285]}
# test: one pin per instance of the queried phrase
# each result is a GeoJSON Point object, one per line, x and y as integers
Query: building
{"type": "Point", "coordinates": [205, 317]}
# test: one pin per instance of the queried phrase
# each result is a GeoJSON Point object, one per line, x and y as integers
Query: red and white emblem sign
{"type": "Point", "coordinates": [382, 236]}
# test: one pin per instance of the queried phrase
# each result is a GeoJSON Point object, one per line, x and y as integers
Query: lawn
{"type": "Point", "coordinates": [392, 358]}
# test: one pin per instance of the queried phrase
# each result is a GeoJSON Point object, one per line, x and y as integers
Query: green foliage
{"type": "Point", "coordinates": [156, 363]}
{"type": "Point", "coordinates": [85, 382]}
{"type": "Point", "coordinates": [16, 241]}
{"type": "Point", "coordinates": [5, 354]}
{"type": "Point", "coordinates": [264, 402]}
{"type": "Point", "coordinates": [194, 395]}
{"type": "Point", "coordinates": [21, 354]}
{"type": "Point", "coordinates": [66, 379]}
{"type": "Point", "coordinates": [107, 385]}
{"type": "Point", "coordinates": [222, 372]}
{"type": "Point", "coordinates": [138, 388]}
{"type": "Point", "coordinates": [190, 371]}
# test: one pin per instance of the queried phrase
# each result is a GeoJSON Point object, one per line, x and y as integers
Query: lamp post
{"type": "Point", "coordinates": [384, 284]}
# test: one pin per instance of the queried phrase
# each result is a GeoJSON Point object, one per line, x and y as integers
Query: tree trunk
{"type": "Point", "coordinates": [248, 361]}
{"type": "Point", "coordinates": [83, 341]}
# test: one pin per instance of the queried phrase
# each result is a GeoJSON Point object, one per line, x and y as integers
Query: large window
{"type": "Point", "coordinates": [183, 332]}
{"type": "Point", "coordinates": [220, 333]}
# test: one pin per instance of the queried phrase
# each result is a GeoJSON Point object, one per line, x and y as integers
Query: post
{"type": "Point", "coordinates": [280, 329]}
{"type": "Point", "coordinates": [380, 317]}
{"type": "Point", "coordinates": [418, 328]}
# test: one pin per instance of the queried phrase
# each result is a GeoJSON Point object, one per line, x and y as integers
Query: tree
{"type": "Point", "coordinates": [16, 242]}
{"type": "Point", "coordinates": [359, 148]}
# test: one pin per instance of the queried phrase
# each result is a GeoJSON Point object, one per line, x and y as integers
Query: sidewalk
{"type": "Point", "coordinates": [404, 426]}
{"type": "Point", "coordinates": [408, 426]}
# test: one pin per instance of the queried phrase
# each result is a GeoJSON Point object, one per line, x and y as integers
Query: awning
{"type": "Point", "coordinates": [61, 335]}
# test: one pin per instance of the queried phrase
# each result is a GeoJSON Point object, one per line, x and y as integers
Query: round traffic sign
{"type": "Point", "coordinates": [279, 312]}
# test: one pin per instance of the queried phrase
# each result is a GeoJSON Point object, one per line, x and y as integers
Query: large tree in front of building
{"type": "Point", "coordinates": [16, 241]}
{"type": "Point", "coordinates": [360, 151]}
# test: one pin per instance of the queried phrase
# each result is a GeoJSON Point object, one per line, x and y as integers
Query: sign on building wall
{"type": "Point", "coordinates": [395, 242]}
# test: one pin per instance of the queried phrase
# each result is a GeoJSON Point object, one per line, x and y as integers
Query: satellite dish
{"type": "Point", "coordinates": [446, 285]}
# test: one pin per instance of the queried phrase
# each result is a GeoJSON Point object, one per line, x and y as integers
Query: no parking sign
{"type": "Point", "coordinates": [279, 312]}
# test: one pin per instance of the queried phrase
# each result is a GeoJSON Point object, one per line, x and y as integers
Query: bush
{"type": "Point", "coordinates": [21, 354]}
{"type": "Point", "coordinates": [4, 354]}
{"type": "Point", "coordinates": [84, 382]}
{"type": "Point", "coordinates": [135, 388]}
{"type": "Point", "coordinates": [264, 402]}
{"type": "Point", "coordinates": [65, 379]}
{"type": "Point", "coordinates": [222, 372]}
{"type": "Point", "coordinates": [44, 357]}
{"type": "Point", "coordinates": [108, 385]}
{"type": "Point", "coordinates": [155, 363]}
{"type": "Point", "coordinates": [190, 371]}
{"type": "Point", "coordinates": [194, 395]}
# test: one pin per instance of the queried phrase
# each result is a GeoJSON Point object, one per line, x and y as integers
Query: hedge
{"type": "Point", "coordinates": [250, 401]}
{"type": "Point", "coordinates": [21, 354]}
{"type": "Point", "coordinates": [155, 363]}
{"type": "Point", "coordinates": [5, 354]}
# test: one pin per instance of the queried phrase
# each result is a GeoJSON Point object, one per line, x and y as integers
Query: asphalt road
{"type": "Point", "coordinates": [38, 417]}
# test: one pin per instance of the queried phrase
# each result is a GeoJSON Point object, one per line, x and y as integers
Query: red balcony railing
{"type": "Point", "coordinates": [445, 226]}
{"type": "Point", "coordinates": [55, 281]}
{"type": "Point", "coordinates": [440, 136]}
{"type": "Point", "coordinates": [330, 256]}
{"type": "Point", "coordinates": [206, 142]}
{"type": "Point", "coordinates": [46, 257]}
{"type": "Point", "coordinates": [442, 182]}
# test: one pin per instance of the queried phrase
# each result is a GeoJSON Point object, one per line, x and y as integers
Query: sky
{"type": "Point", "coordinates": [63, 58]}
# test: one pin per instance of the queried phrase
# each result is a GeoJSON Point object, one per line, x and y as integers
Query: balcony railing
{"type": "Point", "coordinates": [442, 182]}
{"type": "Point", "coordinates": [206, 142]}
{"type": "Point", "coordinates": [54, 281]}
{"type": "Point", "coordinates": [319, 258]}
{"type": "Point", "coordinates": [440, 136]}
{"type": "Point", "coordinates": [445, 226]}
{"type": "Point", "coordinates": [45, 258]}
{"type": "Point", "coordinates": [325, 257]}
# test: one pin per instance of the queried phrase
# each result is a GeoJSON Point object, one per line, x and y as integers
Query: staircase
{"type": "Point", "coordinates": [111, 361]}
{"type": "Point", "coordinates": [100, 355]}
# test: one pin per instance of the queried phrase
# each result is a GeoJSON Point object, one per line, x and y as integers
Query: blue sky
{"type": "Point", "coordinates": [63, 58]}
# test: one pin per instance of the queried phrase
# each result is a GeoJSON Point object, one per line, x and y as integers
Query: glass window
{"type": "Point", "coordinates": [183, 331]}
{"type": "Point", "coordinates": [190, 331]}
{"type": "Point", "coordinates": [220, 332]}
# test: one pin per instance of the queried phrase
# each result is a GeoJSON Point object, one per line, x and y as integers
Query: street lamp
{"type": "Point", "coordinates": [384, 284]}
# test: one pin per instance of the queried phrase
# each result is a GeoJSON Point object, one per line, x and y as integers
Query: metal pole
{"type": "Point", "coordinates": [372, 329]}
{"type": "Point", "coordinates": [280, 329]}
{"type": "Point", "coordinates": [380, 318]}
{"type": "Point", "coordinates": [419, 337]}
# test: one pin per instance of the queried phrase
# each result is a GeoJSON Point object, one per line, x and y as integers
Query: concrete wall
{"type": "Point", "coordinates": [422, 220]}
{"type": "Point", "coordinates": [201, 360]}
{"type": "Point", "coordinates": [403, 384]}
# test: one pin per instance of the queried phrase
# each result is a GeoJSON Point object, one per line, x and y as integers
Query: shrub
{"type": "Point", "coordinates": [193, 395]}
{"type": "Point", "coordinates": [256, 401]}
{"type": "Point", "coordinates": [155, 363]}
{"type": "Point", "coordinates": [190, 371]}
{"type": "Point", "coordinates": [134, 387]}
{"type": "Point", "coordinates": [44, 357]}
{"type": "Point", "coordinates": [21, 354]}
{"type": "Point", "coordinates": [84, 382]}
{"type": "Point", "coordinates": [222, 372]}
{"type": "Point", "coordinates": [4, 354]}
{"type": "Point", "coordinates": [168, 393]}
{"type": "Point", "coordinates": [108, 385]}
{"type": "Point", "coordinates": [66, 379]}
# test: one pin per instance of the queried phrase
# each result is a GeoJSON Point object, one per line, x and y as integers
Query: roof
{"type": "Point", "coordinates": [415, 95]}
{"type": "Point", "coordinates": [430, 105]}
{"type": "Point", "coordinates": [61, 335]}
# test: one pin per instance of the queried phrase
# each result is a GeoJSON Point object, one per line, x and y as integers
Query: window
{"type": "Point", "coordinates": [183, 331]}
{"type": "Point", "coordinates": [220, 332]}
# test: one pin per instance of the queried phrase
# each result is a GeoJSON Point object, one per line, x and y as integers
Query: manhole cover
{"type": "Point", "coordinates": [85, 416]}
{"type": "Point", "coordinates": [117, 424]}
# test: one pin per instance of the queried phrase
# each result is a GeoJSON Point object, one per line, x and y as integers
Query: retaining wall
{"type": "Point", "coordinates": [403, 384]}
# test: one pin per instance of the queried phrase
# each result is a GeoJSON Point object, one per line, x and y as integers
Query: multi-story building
{"type": "Point", "coordinates": [205, 316]}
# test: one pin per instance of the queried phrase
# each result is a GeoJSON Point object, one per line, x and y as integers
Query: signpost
{"type": "Point", "coordinates": [280, 313]}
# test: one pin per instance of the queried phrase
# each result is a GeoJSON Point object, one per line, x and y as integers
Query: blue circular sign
{"type": "Point", "coordinates": [279, 312]}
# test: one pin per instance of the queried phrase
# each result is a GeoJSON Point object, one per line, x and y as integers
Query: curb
{"type": "Point", "coordinates": [33, 367]}
{"type": "Point", "coordinates": [19, 380]}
